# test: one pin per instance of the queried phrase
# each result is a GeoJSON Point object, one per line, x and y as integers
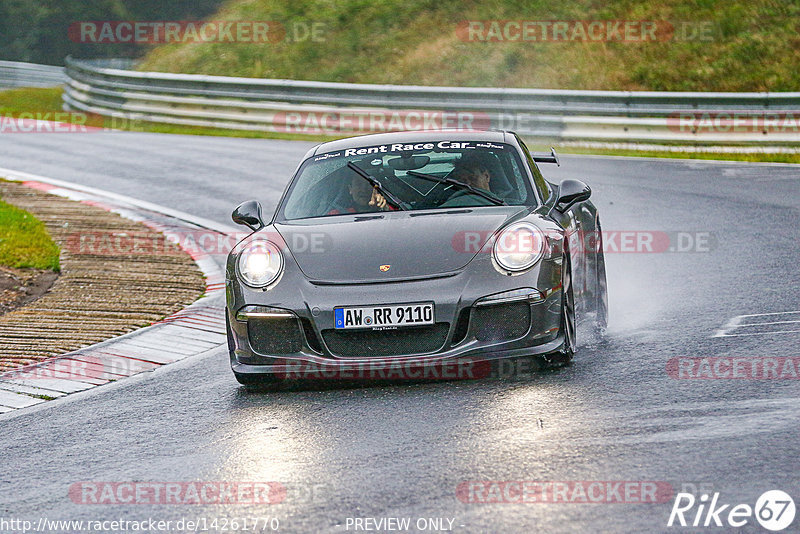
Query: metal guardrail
{"type": "Point", "coordinates": [324, 107]}
{"type": "Point", "coordinates": [18, 74]}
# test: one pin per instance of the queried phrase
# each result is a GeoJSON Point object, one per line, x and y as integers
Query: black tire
{"type": "Point", "coordinates": [568, 326]}
{"type": "Point", "coordinates": [568, 323]}
{"type": "Point", "coordinates": [601, 294]}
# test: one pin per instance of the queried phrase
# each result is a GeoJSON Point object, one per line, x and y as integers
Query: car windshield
{"type": "Point", "coordinates": [417, 176]}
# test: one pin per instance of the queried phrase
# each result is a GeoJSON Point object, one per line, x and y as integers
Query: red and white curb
{"type": "Point", "coordinates": [194, 330]}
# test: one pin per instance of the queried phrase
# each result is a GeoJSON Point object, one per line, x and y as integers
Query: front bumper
{"type": "Point", "coordinates": [463, 331]}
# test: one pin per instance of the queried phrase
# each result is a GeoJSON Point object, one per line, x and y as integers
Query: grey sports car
{"type": "Point", "coordinates": [414, 250]}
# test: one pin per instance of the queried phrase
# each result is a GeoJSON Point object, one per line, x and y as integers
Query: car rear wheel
{"type": "Point", "coordinates": [601, 294]}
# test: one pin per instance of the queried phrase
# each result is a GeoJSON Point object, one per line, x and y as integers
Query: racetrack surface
{"type": "Point", "coordinates": [402, 450]}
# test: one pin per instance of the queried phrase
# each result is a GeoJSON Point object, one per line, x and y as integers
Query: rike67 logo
{"type": "Point", "coordinates": [774, 510]}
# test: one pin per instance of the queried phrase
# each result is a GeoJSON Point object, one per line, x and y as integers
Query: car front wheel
{"type": "Point", "coordinates": [568, 324]}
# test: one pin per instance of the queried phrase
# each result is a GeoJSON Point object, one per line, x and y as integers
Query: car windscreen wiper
{"type": "Point", "coordinates": [451, 181]}
{"type": "Point", "coordinates": [377, 185]}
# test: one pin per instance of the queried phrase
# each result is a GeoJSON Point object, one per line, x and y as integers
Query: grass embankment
{"type": "Point", "coordinates": [700, 45]}
{"type": "Point", "coordinates": [29, 100]}
{"type": "Point", "coordinates": [24, 241]}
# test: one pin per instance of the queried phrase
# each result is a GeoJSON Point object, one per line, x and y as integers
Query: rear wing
{"type": "Point", "coordinates": [552, 157]}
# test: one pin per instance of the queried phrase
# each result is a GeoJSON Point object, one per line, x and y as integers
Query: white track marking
{"type": "Point", "coordinates": [759, 333]}
{"type": "Point", "coordinates": [771, 322]}
{"type": "Point", "coordinates": [735, 323]}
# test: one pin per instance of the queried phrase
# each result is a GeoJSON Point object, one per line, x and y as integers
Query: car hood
{"type": "Point", "coordinates": [357, 248]}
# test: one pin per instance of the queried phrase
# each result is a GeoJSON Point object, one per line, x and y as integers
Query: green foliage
{"type": "Point", "coordinates": [37, 31]}
{"type": "Point", "coordinates": [24, 241]}
{"type": "Point", "coordinates": [751, 46]}
{"type": "Point", "coordinates": [14, 101]}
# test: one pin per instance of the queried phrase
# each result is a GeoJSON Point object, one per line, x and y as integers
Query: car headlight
{"type": "Point", "coordinates": [260, 263]}
{"type": "Point", "coordinates": [519, 247]}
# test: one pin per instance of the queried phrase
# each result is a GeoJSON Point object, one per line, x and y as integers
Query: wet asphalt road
{"type": "Point", "coordinates": [402, 450]}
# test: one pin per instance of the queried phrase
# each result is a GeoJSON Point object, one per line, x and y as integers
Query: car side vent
{"type": "Point", "coordinates": [274, 336]}
{"type": "Point", "coordinates": [462, 327]}
{"type": "Point", "coordinates": [311, 335]}
{"type": "Point", "coordinates": [503, 322]}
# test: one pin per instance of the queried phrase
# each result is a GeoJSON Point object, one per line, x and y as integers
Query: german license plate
{"type": "Point", "coordinates": [418, 314]}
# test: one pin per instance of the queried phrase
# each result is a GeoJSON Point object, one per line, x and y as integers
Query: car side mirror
{"type": "Point", "coordinates": [571, 191]}
{"type": "Point", "coordinates": [249, 214]}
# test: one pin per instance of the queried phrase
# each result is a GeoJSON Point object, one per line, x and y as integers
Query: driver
{"type": "Point", "coordinates": [361, 198]}
{"type": "Point", "coordinates": [473, 171]}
